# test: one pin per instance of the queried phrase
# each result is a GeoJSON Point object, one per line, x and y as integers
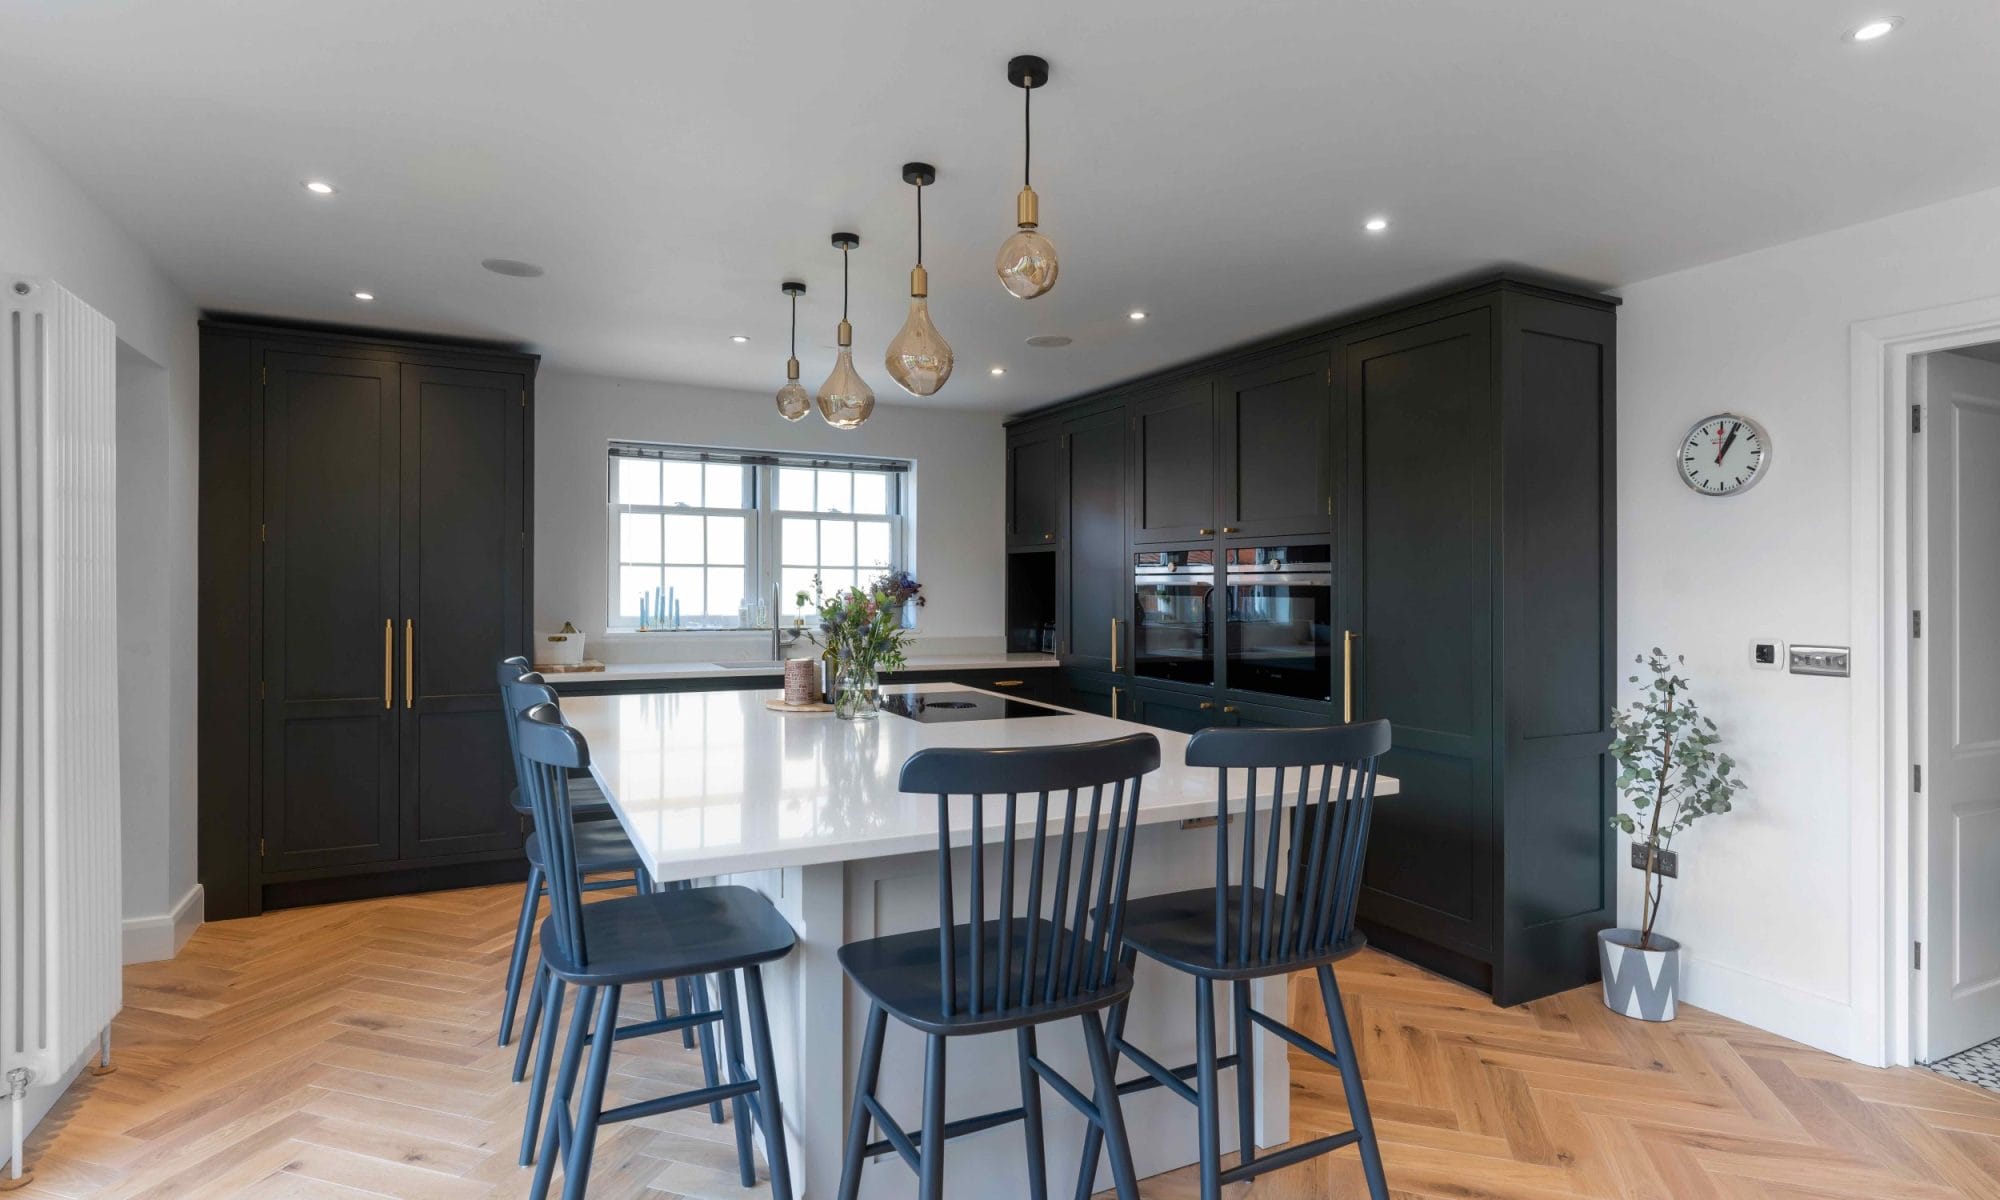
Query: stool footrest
{"type": "Point", "coordinates": [1068, 1091]}
{"type": "Point", "coordinates": [1289, 1155]}
{"type": "Point", "coordinates": [1160, 1075]}
{"type": "Point", "coordinates": [662, 1025]}
{"type": "Point", "coordinates": [1275, 1026]}
{"type": "Point", "coordinates": [893, 1136]}
{"type": "Point", "coordinates": [676, 1102]}
{"type": "Point", "coordinates": [952, 1129]}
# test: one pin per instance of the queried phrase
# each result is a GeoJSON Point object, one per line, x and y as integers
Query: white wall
{"type": "Point", "coordinates": [1762, 905]}
{"type": "Point", "coordinates": [959, 536]}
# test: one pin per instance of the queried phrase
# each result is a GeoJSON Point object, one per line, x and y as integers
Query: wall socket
{"type": "Point", "coordinates": [1767, 654]}
{"type": "Point", "coordinates": [1666, 862]}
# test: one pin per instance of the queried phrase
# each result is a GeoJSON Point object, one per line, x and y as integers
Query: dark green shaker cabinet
{"type": "Point", "coordinates": [1034, 480]}
{"type": "Point", "coordinates": [1275, 425]}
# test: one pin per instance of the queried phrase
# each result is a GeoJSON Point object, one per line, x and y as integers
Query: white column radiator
{"type": "Point", "coordinates": [59, 805]}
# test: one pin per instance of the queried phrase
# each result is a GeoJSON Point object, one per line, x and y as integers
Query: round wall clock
{"type": "Point", "coordinates": [1723, 454]}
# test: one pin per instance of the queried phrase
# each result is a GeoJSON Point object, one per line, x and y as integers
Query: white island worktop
{"type": "Point", "coordinates": [806, 809]}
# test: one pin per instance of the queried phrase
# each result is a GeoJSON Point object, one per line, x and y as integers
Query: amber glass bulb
{"type": "Point", "coordinates": [793, 400]}
{"type": "Point", "coordinates": [1027, 264]}
{"type": "Point", "coordinates": [845, 400]}
{"type": "Point", "coordinates": [919, 358]}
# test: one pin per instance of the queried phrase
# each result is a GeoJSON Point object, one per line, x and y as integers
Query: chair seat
{"type": "Point", "coordinates": [585, 796]}
{"type": "Point", "coordinates": [667, 935]}
{"type": "Point", "coordinates": [900, 972]}
{"type": "Point", "coordinates": [1178, 929]}
{"type": "Point", "coordinates": [600, 846]}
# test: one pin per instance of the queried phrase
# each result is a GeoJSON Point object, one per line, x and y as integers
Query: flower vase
{"type": "Point", "coordinates": [860, 692]}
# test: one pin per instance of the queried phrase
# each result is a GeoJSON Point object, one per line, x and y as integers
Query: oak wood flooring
{"type": "Point", "coordinates": [347, 1051]}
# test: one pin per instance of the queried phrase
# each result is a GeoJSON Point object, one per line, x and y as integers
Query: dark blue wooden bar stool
{"type": "Point", "coordinates": [1020, 970]}
{"type": "Point", "coordinates": [602, 948]}
{"type": "Point", "coordinates": [1296, 913]}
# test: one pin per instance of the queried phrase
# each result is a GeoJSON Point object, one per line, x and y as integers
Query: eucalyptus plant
{"type": "Point", "coordinates": [1669, 769]}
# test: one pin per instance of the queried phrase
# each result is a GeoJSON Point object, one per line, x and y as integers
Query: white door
{"type": "Point", "coordinates": [1957, 661]}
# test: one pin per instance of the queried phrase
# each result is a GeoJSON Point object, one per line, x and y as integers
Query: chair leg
{"type": "Point", "coordinates": [1031, 1115]}
{"type": "Point", "coordinates": [1350, 1082]}
{"type": "Point", "coordinates": [583, 1142]}
{"type": "Point", "coordinates": [684, 996]}
{"type": "Point", "coordinates": [858, 1121]}
{"type": "Point", "coordinates": [710, 1075]}
{"type": "Point", "coordinates": [538, 1090]}
{"type": "Point", "coordinates": [775, 1152]}
{"type": "Point", "coordinates": [930, 1174]}
{"type": "Point", "coordinates": [1208, 1119]}
{"type": "Point", "coordinates": [1246, 1077]}
{"type": "Point", "coordinates": [558, 1118]}
{"type": "Point", "coordinates": [1109, 1113]}
{"type": "Point", "coordinates": [746, 1166]}
{"type": "Point", "coordinates": [526, 1044]}
{"type": "Point", "coordinates": [524, 931]}
{"type": "Point", "coordinates": [1093, 1137]}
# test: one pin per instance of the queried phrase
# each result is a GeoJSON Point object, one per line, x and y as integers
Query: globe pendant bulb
{"type": "Point", "coordinates": [1027, 264]}
{"type": "Point", "coordinates": [793, 401]}
{"type": "Point", "coordinates": [919, 358]}
{"type": "Point", "coordinates": [844, 399]}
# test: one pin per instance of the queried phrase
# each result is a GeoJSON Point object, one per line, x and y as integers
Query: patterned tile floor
{"type": "Point", "coordinates": [1980, 1065]}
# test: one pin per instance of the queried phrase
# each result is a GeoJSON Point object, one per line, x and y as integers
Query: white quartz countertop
{"type": "Point", "coordinates": [708, 783]}
{"type": "Point", "coordinates": [628, 672]}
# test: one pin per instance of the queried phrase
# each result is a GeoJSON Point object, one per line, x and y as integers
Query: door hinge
{"type": "Point", "coordinates": [260, 689]}
{"type": "Point", "coordinates": [1916, 777]}
{"type": "Point", "coordinates": [264, 375]}
{"type": "Point", "coordinates": [260, 847]}
{"type": "Point", "coordinates": [1916, 956]}
{"type": "Point", "coordinates": [1916, 622]}
{"type": "Point", "coordinates": [263, 533]}
{"type": "Point", "coordinates": [1916, 418]}
{"type": "Point", "coordinates": [1329, 375]}
{"type": "Point", "coordinates": [1329, 506]}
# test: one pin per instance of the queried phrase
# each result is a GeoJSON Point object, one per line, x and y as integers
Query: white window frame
{"type": "Point", "coordinates": [762, 557]}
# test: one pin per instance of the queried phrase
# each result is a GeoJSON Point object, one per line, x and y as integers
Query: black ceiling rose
{"type": "Point", "coordinates": [1027, 70]}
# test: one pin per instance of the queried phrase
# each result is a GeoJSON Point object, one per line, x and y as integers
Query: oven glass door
{"type": "Point", "coordinates": [1173, 619]}
{"type": "Point", "coordinates": [1279, 634]}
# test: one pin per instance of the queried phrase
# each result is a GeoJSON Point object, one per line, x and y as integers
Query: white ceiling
{"type": "Point", "coordinates": [670, 163]}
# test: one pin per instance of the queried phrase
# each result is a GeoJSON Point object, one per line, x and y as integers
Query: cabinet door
{"type": "Point", "coordinates": [1418, 565]}
{"type": "Point", "coordinates": [1096, 573]}
{"type": "Point", "coordinates": [1034, 488]}
{"type": "Point", "coordinates": [331, 546]}
{"type": "Point", "coordinates": [1184, 712]}
{"type": "Point", "coordinates": [1095, 692]}
{"type": "Point", "coordinates": [1173, 464]}
{"type": "Point", "coordinates": [463, 580]}
{"type": "Point", "coordinates": [1277, 447]}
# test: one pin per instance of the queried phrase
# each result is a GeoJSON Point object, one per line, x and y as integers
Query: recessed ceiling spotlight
{"type": "Point", "coordinates": [513, 267]}
{"type": "Point", "coordinates": [1868, 31]}
{"type": "Point", "coordinates": [1136, 315]}
{"type": "Point", "coordinates": [738, 338]}
{"type": "Point", "coordinates": [319, 187]}
{"type": "Point", "coordinates": [1050, 341]}
{"type": "Point", "coordinates": [364, 295]}
{"type": "Point", "coordinates": [1375, 224]}
{"type": "Point", "coordinates": [999, 371]}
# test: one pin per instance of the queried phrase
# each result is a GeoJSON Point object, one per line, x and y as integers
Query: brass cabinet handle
{"type": "Point", "coordinates": [1048, 537]}
{"type": "Point", "coordinates": [1347, 637]}
{"type": "Point", "coordinates": [388, 661]}
{"type": "Point", "coordinates": [409, 663]}
{"type": "Point", "coordinates": [1231, 529]}
{"type": "Point", "coordinates": [1206, 532]}
{"type": "Point", "coordinates": [1114, 643]}
{"type": "Point", "coordinates": [1207, 704]}
{"type": "Point", "coordinates": [1114, 702]}
{"type": "Point", "coordinates": [1229, 708]}
{"type": "Point", "coordinates": [1008, 682]}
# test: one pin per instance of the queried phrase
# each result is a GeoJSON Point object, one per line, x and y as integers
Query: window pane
{"type": "Point", "coordinates": [683, 539]}
{"type": "Point", "coordinates": [638, 538]}
{"type": "Point", "coordinates": [871, 492]}
{"type": "Point", "coordinates": [726, 540]}
{"type": "Point", "coordinates": [799, 542]}
{"type": "Point", "coordinates": [837, 579]}
{"type": "Point", "coordinates": [631, 582]}
{"type": "Point", "coordinates": [685, 586]}
{"type": "Point", "coordinates": [638, 481]}
{"type": "Point", "coordinates": [682, 484]}
{"type": "Point", "coordinates": [871, 544]}
{"type": "Point", "coordinates": [725, 593]}
{"type": "Point", "coordinates": [795, 489]}
{"type": "Point", "coordinates": [836, 491]}
{"type": "Point", "coordinates": [725, 485]}
{"type": "Point", "coordinates": [794, 581]}
{"type": "Point", "coordinates": [836, 543]}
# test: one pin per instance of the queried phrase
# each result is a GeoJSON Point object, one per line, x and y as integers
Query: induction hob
{"type": "Point", "coordinates": [961, 706]}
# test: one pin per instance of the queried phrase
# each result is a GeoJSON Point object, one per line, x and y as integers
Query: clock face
{"type": "Point", "coordinates": [1724, 454]}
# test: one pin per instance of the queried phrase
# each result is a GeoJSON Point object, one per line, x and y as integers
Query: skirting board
{"type": "Point", "coordinates": [1819, 1022]}
{"type": "Point", "coordinates": [151, 939]}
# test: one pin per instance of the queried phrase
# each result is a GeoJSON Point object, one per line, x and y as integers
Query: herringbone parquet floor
{"type": "Point", "coordinates": [347, 1051]}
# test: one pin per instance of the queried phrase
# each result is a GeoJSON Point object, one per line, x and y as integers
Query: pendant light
{"type": "Point", "coordinates": [1027, 261]}
{"type": "Point", "coordinates": [793, 402]}
{"type": "Point", "coordinates": [844, 399]}
{"type": "Point", "coordinates": [919, 358]}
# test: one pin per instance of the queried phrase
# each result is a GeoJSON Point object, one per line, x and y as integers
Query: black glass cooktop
{"type": "Point", "coordinates": [961, 706]}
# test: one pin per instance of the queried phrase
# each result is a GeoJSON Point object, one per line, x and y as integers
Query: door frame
{"type": "Point", "coordinates": [1886, 861]}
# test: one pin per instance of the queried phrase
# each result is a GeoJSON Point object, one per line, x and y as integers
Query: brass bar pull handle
{"type": "Point", "coordinates": [1205, 532]}
{"type": "Point", "coordinates": [1207, 704]}
{"type": "Point", "coordinates": [1231, 529]}
{"type": "Point", "coordinates": [1114, 702]}
{"type": "Point", "coordinates": [409, 663]}
{"type": "Point", "coordinates": [1008, 682]}
{"type": "Point", "coordinates": [1229, 708]}
{"type": "Point", "coordinates": [388, 662]}
{"type": "Point", "coordinates": [1347, 637]}
{"type": "Point", "coordinates": [1114, 643]}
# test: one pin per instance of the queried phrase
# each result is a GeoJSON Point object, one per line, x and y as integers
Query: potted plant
{"type": "Point", "coordinates": [1672, 775]}
{"type": "Point", "coordinates": [861, 634]}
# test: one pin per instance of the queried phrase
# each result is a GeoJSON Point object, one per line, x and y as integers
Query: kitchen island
{"type": "Point", "coordinates": [805, 808]}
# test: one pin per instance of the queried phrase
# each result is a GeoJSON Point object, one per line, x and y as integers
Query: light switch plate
{"type": "Point", "coordinates": [1819, 660]}
{"type": "Point", "coordinates": [1767, 654]}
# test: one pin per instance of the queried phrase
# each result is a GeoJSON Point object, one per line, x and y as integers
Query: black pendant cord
{"type": "Point", "coordinates": [920, 224]}
{"type": "Point", "coordinates": [795, 324]}
{"type": "Point", "coordinates": [843, 284]}
{"type": "Point", "coordinates": [1028, 130]}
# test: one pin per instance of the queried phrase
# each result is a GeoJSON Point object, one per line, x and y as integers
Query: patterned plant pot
{"type": "Point", "coordinates": [1642, 984]}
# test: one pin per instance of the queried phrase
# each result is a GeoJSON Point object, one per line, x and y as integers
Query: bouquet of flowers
{"type": "Point", "coordinates": [863, 628]}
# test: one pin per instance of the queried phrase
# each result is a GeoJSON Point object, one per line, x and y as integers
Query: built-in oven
{"type": "Point", "coordinates": [1278, 620]}
{"type": "Point", "coordinates": [1173, 615]}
